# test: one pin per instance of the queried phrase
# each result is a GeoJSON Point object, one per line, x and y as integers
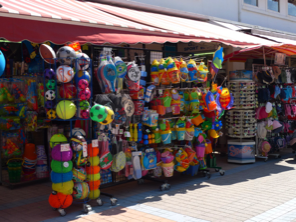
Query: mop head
{"type": "Point", "coordinates": [60, 200]}
{"type": "Point", "coordinates": [94, 185]}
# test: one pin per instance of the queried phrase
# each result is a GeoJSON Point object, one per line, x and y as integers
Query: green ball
{"type": "Point", "coordinates": [66, 109]}
{"type": "Point", "coordinates": [57, 139]}
{"type": "Point", "coordinates": [51, 84]}
{"type": "Point", "coordinates": [61, 167]}
{"type": "Point", "coordinates": [98, 113]}
{"type": "Point", "coordinates": [84, 105]}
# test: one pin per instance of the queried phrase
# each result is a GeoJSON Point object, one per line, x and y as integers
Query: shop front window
{"type": "Point", "coordinates": [292, 7]}
{"type": "Point", "coordinates": [251, 2]}
{"type": "Point", "coordinates": [274, 5]}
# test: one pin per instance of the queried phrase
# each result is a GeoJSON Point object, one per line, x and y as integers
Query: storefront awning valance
{"type": "Point", "coordinates": [258, 52]}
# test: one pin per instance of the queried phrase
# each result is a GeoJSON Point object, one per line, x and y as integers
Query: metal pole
{"type": "Point", "coordinates": [264, 56]}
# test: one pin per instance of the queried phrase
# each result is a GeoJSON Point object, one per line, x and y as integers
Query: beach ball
{"type": "Point", "coordinates": [94, 161]}
{"type": "Point", "coordinates": [82, 75]}
{"type": "Point", "coordinates": [2, 63]}
{"type": "Point", "coordinates": [67, 91]}
{"type": "Point", "coordinates": [84, 94]}
{"type": "Point", "coordinates": [59, 155]}
{"type": "Point", "coordinates": [61, 177]}
{"type": "Point", "coordinates": [110, 116]}
{"type": "Point", "coordinates": [64, 74]}
{"type": "Point", "coordinates": [79, 174]}
{"type": "Point", "coordinates": [66, 109]}
{"type": "Point", "coordinates": [57, 139]}
{"type": "Point", "coordinates": [94, 194]}
{"type": "Point", "coordinates": [98, 113]}
{"type": "Point", "coordinates": [60, 200]}
{"type": "Point", "coordinates": [61, 167]}
{"type": "Point", "coordinates": [64, 188]}
{"type": "Point", "coordinates": [94, 185]}
{"type": "Point", "coordinates": [81, 190]}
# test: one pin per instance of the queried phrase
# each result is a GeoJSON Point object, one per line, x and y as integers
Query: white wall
{"type": "Point", "coordinates": [229, 9]}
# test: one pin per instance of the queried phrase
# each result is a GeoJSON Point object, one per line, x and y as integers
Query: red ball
{"type": "Point", "coordinates": [67, 91]}
{"type": "Point", "coordinates": [60, 200]}
{"type": "Point", "coordinates": [94, 185]}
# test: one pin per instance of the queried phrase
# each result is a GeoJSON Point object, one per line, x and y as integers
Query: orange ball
{"type": "Point", "coordinates": [92, 151]}
{"type": "Point", "coordinates": [94, 185]}
{"type": "Point", "coordinates": [93, 169]}
{"type": "Point", "coordinates": [60, 200]}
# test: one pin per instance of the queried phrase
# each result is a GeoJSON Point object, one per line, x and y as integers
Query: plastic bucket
{"type": "Point", "coordinates": [189, 134]}
{"type": "Point", "coordinates": [181, 134]}
{"type": "Point", "coordinates": [161, 109]}
{"type": "Point", "coordinates": [168, 169]}
{"type": "Point", "coordinates": [166, 137]}
{"type": "Point", "coordinates": [209, 148]}
{"type": "Point", "coordinates": [157, 136]}
{"type": "Point", "coordinates": [200, 150]}
{"type": "Point", "coordinates": [14, 167]}
{"type": "Point", "coordinates": [174, 134]}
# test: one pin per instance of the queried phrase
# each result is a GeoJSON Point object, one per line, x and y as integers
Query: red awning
{"type": "Point", "coordinates": [61, 21]}
{"type": "Point", "coordinates": [258, 51]}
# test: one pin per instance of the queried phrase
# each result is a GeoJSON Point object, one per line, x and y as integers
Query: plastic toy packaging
{"type": "Point", "coordinates": [10, 123]}
{"type": "Point", "coordinates": [107, 72]}
{"type": "Point", "coordinates": [133, 77]}
{"type": "Point", "coordinates": [150, 117]}
{"type": "Point", "coordinates": [11, 145]}
{"type": "Point", "coordinates": [6, 95]}
{"type": "Point", "coordinates": [31, 120]}
{"type": "Point", "coordinates": [172, 71]}
{"type": "Point", "coordinates": [121, 72]}
{"type": "Point", "coordinates": [32, 94]}
{"type": "Point", "coordinates": [155, 72]}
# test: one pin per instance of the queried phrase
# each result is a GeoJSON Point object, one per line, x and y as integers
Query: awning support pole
{"type": "Point", "coordinates": [264, 56]}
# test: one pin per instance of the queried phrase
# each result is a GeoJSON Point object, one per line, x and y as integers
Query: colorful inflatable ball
{"type": "Point", "coordinates": [2, 63]}
{"type": "Point", "coordinates": [61, 177]}
{"type": "Point", "coordinates": [98, 113]}
{"type": "Point", "coordinates": [80, 190]}
{"type": "Point", "coordinates": [79, 174]}
{"type": "Point", "coordinates": [94, 161]}
{"type": "Point", "coordinates": [84, 105]}
{"type": "Point", "coordinates": [47, 53]}
{"type": "Point", "coordinates": [67, 91]}
{"type": "Point", "coordinates": [82, 75]}
{"type": "Point", "coordinates": [83, 84]}
{"type": "Point", "coordinates": [109, 118]}
{"type": "Point", "coordinates": [66, 109]}
{"type": "Point", "coordinates": [49, 74]}
{"type": "Point", "coordinates": [57, 139]}
{"type": "Point", "coordinates": [64, 187]}
{"type": "Point", "coordinates": [93, 177]}
{"type": "Point", "coordinates": [84, 94]}
{"type": "Point", "coordinates": [61, 167]}
{"type": "Point", "coordinates": [93, 169]}
{"type": "Point", "coordinates": [66, 55]}
{"type": "Point", "coordinates": [64, 74]}
{"type": "Point", "coordinates": [94, 185]}
{"type": "Point", "coordinates": [60, 200]}
{"type": "Point", "coordinates": [59, 155]}
{"type": "Point", "coordinates": [82, 61]}
{"type": "Point", "coordinates": [84, 114]}
{"type": "Point", "coordinates": [92, 151]}
{"type": "Point", "coordinates": [94, 194]}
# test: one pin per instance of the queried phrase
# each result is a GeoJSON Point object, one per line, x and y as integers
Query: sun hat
{"type": "Point", "coordinates": [261, 130]}
{"type": "Point", "coordinates": [276, 124]}
{"type": "Point", "coordinates": [279, 129]}
{"type": "Point", "coordinates": [268, 107]}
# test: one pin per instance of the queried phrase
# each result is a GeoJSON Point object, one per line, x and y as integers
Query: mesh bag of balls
{"type": "Point", "coordinates": [101, 114]}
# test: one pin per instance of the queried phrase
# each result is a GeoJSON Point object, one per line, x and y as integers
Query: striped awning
{"type": "Point", "coordinates": [62, 21]}
{"type": "Point", "coordinates": [257, 52]}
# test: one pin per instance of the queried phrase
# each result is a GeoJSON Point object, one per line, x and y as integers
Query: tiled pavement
{"type": "Point", "coordinates": [252, 192]}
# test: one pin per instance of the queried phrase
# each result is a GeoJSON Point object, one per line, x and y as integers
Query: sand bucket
{"type": "Point", "coordinates": [166, 137]}
{"type": "Point", "coordinates": [209, 148]}
{"type": "Point", "coordinates": [181, 134]}
{"type": "Point", "coordinates": [200, 150]}
{"type": "Point", "coordinates": [189, 134]}
{"type": "Point", "coordinates": [168, 169]}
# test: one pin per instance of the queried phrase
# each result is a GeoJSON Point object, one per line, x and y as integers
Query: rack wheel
{"type": "Point", "coordinates": [100, 202]}
{"type": "Point", "coordinates": [62, 212]}
{"type": "Point", "coordinates": [208, 175]}
{"type": "Point", "coordinates": [279, 156]}
{"type": "Point", "coordinates": [86, 208]}
{"type": "Point", "coordinates": [165, 186]}
{"type": "Point", "coordinates": [222, 172]}
{"type": "Point", "coordinates": [265, 159]}
{"type": "Point", "coordinates": [54, 209]}
{"type": "Point", "coordinates": [216, 169]}
{"type": "Point", "coordinates": [113, 201]}
{"type": "Point", "coordinates": [204, 173]}
{"type": "Point", "coordinates": [140, 181]}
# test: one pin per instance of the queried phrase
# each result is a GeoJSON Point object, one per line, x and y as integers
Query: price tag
{"type": "Point", "coordinates": [65, 147]}
{"type": "Point", "coordinates": [95, 143]}
{"type": "Point", "coordinates": [160, 91]}
{"type": "Point", "coordinates": [84, 144]}
{"type": "Point", "coordinates": [113, 130]}
{"type": "Point", "coordinates": [121, 131]}
{"type": "Point", "coordinates": [127, 134]}
{"type": "Point", "coordinates": [102, 127]}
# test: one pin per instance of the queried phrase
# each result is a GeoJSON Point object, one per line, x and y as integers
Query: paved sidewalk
{"type": "Point", "coordinates": [264, 191]}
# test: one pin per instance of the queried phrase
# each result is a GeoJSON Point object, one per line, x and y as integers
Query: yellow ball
{"type": "Point", "coordinates": [110, 116]}
{"type": "Point", "coordinates": [93, 177]}
{"type": "Point", "coordinates": [94, 194]}
{"type": "Point", "coordinates": [64, 188]}
{"type": "Point", "coordinates": [94, 161]}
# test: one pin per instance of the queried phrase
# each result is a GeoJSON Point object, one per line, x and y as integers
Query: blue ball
{"type": "Point", "coordinates": [82, 75]}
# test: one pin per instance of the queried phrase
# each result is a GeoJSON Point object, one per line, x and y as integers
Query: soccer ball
{"type": "Point", "coordinates": [84, 94]}
{"type": "Point", "coordinates": [84, 105]}
{"type": "Point", "coordinates": [82, 75]}
{"type": "Point", "coordinates": [98, 113]}
{"type": "Point", "coordinates": [49, 104]}
{"type": "Point", "coordinates": [50, 95]}
{"type": "Point", "coordinates": [84, 114]}
{"type": "Point", "coordinates": [51, 114]}
{"type": "Point", "coordinates": [65, 74]}
{"type": "Point", "coordinates": [110, 116]}
{"type": "Point", "coordinates": [83, 84]}
{"type": "Point", "coordinates": [50, 84]}
{"type": "Point", "coordinates": [77, 143]}
{"type": "Point", "coordinates": [65, 55]}
{"type": "Point", "coordinates": [82, 62]}
{"type": "Point", "coordinates": [49, 73]}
